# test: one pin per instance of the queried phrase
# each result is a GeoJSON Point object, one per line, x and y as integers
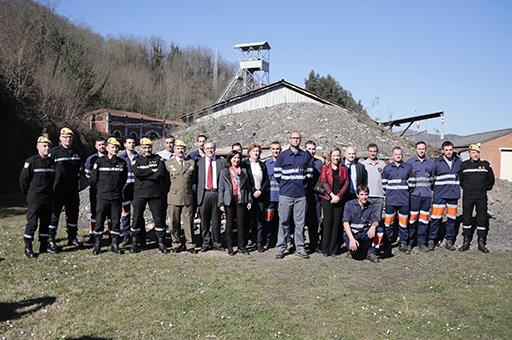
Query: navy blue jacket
{"type": "Point", "coordinates": [293, 172]}
{"type": "Point", "coordinates": [359, 217]}
{"type": "Point", "coordinates": [446, 179]}
{"type": "Point", "coordinates": [395, 182]}
{"type": "Point", "coordinates": [421, 178]}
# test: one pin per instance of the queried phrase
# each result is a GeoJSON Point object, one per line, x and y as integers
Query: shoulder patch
{"type": "Point", "coordinates": [95, 166]}
{"type": "Point", "coordinates": [26, 165]}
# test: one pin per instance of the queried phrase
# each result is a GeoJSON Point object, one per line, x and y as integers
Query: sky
{"type": "Point", "coordinates": [400, 58]}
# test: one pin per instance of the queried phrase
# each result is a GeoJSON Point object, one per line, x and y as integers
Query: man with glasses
{"type": "Point", "coordinates": [293, 170]}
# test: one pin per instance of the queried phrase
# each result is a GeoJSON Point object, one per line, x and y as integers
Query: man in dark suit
{"type": "Point", "coordinates": [208, 170]}
{"type": "Point", "coordinates": [356, 172]}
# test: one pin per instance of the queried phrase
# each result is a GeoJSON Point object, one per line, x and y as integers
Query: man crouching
{"type": "Point", "coordinates": [360, 222]}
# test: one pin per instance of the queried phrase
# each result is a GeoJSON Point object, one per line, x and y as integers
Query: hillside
{"type": "Point", "coordinates": [52, 71]}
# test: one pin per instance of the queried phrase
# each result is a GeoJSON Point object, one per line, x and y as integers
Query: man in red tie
{"type": "Point", "coordinates": [208, 170]}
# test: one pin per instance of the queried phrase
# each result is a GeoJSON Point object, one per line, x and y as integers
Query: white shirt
{"type": "Point", "coordinates": [257, 174]}
{"type": "Point", "coordinates": [165, 154]}
{"type": "Point", "coordinates": [448, 161]}
{"type": "Point", "coordinates": [214, 170]}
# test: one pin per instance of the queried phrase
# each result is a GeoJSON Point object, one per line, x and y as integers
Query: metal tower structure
{"type": "Point", "coordinates": [253, 72]}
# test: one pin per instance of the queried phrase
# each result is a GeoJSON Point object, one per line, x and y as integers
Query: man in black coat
{"type": "Point", "coordinates": [36, 183]}
{"type": "Point", "coordinates": [109, 175]}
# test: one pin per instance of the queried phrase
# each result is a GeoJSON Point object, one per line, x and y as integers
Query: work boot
{"type": "Point", "coordinates": [449, 245]}
{"type": "Point", "coordinates": [97, 245]}
{"type": "Point", "coordinates": [114, 247]}
{"type": "Point", "coordinates": [403, 247]}
{"type": "Point", "coordinates": [372, 258]}
{"type": "Point", "coordinates": [423, 248]}
{"type": "Point", "coordinates": [481, 244]}
{"type": "Point", "coordinates": [431, 245]}
{"type": "Point", "coordinates": [161, 245]}
{"type": "Point", "coordinates": [52, 245]}
{"type": "Point", "coordinates": [465, 244]}
{"type": "Point", "coordinates": [43, 245]}
{"type": "Point", "coordinates": [90, 239]}
{"type": "Point", "coordinates": [408, 249]}
{"type": "Point", "coordinates": [135, 245]}
{"type": "Point", "coordinates": [28, 249]}
{"type": "Point", "coordinates": [73, 239]}
{"type": "Point", "coordinates": [127, 240]}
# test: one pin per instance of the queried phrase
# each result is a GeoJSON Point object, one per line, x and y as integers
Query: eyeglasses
{"type": "Point", "coordinates": [294, 137]}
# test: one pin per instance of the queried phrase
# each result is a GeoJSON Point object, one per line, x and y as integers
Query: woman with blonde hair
{"type": "Point", "coordinates": [334, 184]}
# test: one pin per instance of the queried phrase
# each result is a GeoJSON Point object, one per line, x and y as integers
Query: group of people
{"type": "Point", "coordinates": [366, 205]}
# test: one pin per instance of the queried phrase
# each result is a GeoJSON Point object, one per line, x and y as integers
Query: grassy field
{"type": "Point", "coordinates": [149, 295]}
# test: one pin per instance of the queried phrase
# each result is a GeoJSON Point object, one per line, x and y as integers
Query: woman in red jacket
{"type": "Point", "coordinates": [334, 183]}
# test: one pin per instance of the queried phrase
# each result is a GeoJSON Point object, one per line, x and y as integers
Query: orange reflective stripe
{"type": "Point", "coordinates": [388, 219]}
{"type": "Point", "coordinates": [402, 220]}
{"type": "Point", "coordinates": [452, 212]}
{"type": "Point", "coordinates": [424, 217]}
{"type": "Point", "coordinates": [437, 211]}
{"type": "Point", "coordinates": [413, 216]}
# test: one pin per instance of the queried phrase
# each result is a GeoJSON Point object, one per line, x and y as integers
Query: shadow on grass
{"type": "Point", "coordinates": [12, 211]}
{"type": "Point", "coordinates": [86, 337]}
{"type": "Point", "coordinates": [16, 310]}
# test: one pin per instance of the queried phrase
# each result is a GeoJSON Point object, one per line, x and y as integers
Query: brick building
{"type": "Point", "coordinates": [129, 124]}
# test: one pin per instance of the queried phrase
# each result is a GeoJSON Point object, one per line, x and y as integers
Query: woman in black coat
{"type": "Point", "coordinates": [234, 199]}
{"type": "Point", "coordinates": [260, 186]}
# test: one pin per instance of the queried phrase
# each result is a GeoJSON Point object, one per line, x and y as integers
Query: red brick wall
{"type": "Point", "coordinates": [490, 151]}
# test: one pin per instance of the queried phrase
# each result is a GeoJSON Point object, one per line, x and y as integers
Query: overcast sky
{"type": "Point", "coordinates": [401, 58]}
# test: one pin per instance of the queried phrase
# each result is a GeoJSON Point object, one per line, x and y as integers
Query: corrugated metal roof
{"type": "Point", "coordinates": [482, 137]}
{"type": "Point", "coordinates": [264, 89]}
{"type": "Point", "coordinates": [255, 45]}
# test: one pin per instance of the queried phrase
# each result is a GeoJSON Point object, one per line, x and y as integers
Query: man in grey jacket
{"type": "Point", "coordinates": [374, 167]}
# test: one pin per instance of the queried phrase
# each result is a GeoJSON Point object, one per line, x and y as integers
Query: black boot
{"type": "Point", "coordinates": [28, 249]}
{"type": "Point", "coordinates": [482, 241]}
{"type": "Point", "coordinates": [97, 245]}
{"type": "Point", "coordinates": [136, 247]}
{"type": "Point", "coordinates": [127, 240]}
{"type": "Point", "coordinates": [115, 246]}
{"type": "Point", "coordinates": [52, 245]}
{"type": "Point", "coordinates": [161, 245]}
{"type": "Point", "coordinates": [73, 238]}
{"type": "Point", "coordinates": [465, 244]}
{"type": "Point", "coordinates": [43, 245]}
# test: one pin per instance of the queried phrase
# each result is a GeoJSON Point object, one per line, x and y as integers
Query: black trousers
{"type": "Point", "coordinates": [71, 205]}
{"type": "Point", "coordinates": [105, 209]}
{"type": "Point", "coordinates": [332, 229]}
{"type": "Point", "coordinates": [93, 203]}
{"type": "Point", "coordinates": [37, 212]}
{"type": "Point", "coordinates": [312, 220]}
{"type": "Point", "coordinates": [236, 212]}
{"type": "Point", "coordinates": [257, 232]}
{"type": "Point", "coordinates": [210, 220]}
{"type": "Point", "coordinates": [155, 206]}
{"type": "Point", "coordinates": [482, 219]}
